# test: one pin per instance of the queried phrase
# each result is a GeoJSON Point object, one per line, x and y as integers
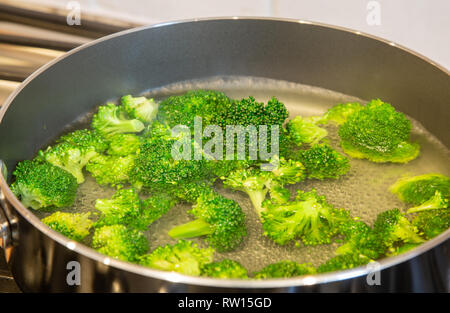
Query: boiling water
{"type": "Point", "coordinates": [363, 190]}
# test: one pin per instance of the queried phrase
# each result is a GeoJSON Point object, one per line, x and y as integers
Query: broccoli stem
{"type": "Point", "coordinates": [257, 198]}
{"type": "Point", "coordinates": [196, 228]}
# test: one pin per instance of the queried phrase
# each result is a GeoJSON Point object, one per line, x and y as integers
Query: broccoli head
{"type": "Point", "coordinates": [189, 192]}
{"type": "Point", "coordinates": [124, 144]}
{"type": "Point", "coordinates": [343, 262]}
{"type": "Point", "coordinates": [309, 218]}
{"type": "Point", "coordinates": [432, 223]}
{"type": "Point", "coordinates": [220, 219]}
{"type": "Point", "coordinates": [225, 269]}
{"type": "Point", "coordinates": [378, 133]}
{"type": "Point", "coordinates": [395, 229]}
{"type": "Point", "coordinates": [75, 226]}
{"type": "Point", "coordinates": [110, 169]}
{"type": "Point", "coordinates": [86, 139]}
{"type": "Point", "coordinates": [112, 119]}
{"type": "Point", "coordinates": [305, 131]}
{"type": "Point", "coordinates": [340, 112]}
{"type": "Point", "coordinates": [321, 162]}
{"type": "Point", "coordinates": [434, 203]}
{"type": "Point", "coordinates": [418, 189]}
{"type": "Point", "coordinates": [184, 257]}
{"type": "Point", "coordinates": [120, 242]}
{"type": "Point", "coordinates": [140, 108]}
{"type": "Point", "coordinates": [41, 185]}
{"type": "Point", "coordinates": [285, 269]}
{"type": "Point", "coordinates": [156, 206]}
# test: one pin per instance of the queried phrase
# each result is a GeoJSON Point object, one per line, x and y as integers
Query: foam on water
{"type": "Point", "coordinates": [363, 190]}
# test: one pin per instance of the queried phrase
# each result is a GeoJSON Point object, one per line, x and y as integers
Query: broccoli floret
{"type": "Point", "coordinates": [256, 183]}
{"type": "Point", "coordinates": [156, 206]}
{"type": "Point", "coordinates": [220, 219]}
{"type": "Point", "coordinates": [124, 208]}
{"type": "Point", "coordinates": [395, 229]}
{"type": "Point", "coordinates": [309, 218]}
{"type": "Point", "coordinates": [321, 162]}
{"type": "Point", "coordinates": [434, 203]}
{"type": "Point", "coordinates": [124, 144]}
{"type": "Point", "coordinates": [360, 238]}
{"type": "Point", "coordinates": [155, 167]}
{"type": "Point", "coordinates": [305, 131]}
{"type": "Point", "coordinates": [86, 139]}
{"type": "Point", "coordinates": [191, 191]}
{"type": "Point", "coordinates": [343, 262]}
{"type": "Point", "coordinates": [41, 185]}
{"type": "Point", "coordinates": [112, 119]}
{"type": "Point", "coordinates": [70, 158]}
{"type": "Point", "coordinates": [140, 108]}
{"type": "Point", "coordinates": [184, 257]}
{"type": "Point", "coordinates": [378, 133]}
{"type": "Point", "coordinates": [72, 225]}
{"type": "Point", "coordinates": [120, 242]}
{"type": "Point", "coordinates": [112, 170]}
{"type": "Point", "coordinates": [340, 112]}
{"type": "Point", "coordinates": [432, 223]}
{"type": "Point", "coordinates": [182, 109]}
{"type": "Point", "coordinates": [418, 189]}
{"type": "Point", "coordinates": [402, 249]}
{"type": "Point", "coordinates": [285, 269]}
{"type": "Point", "coordinates": [225, 269]}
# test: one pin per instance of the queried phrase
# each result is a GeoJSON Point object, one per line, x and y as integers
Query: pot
{"type": "Point", "coordinates": [149, 57]}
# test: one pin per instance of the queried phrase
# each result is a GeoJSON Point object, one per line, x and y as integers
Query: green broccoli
{"type": "Point", "coordinates": [378, 133]}
{"type": "Point", "coordinates": [305, 131]}
{"type": "Point", "coordinates": [86, 139]}
{"type": "Point", "coordinates": [111, 170]}
{"type": "Point", "coordinates": [309, 218]}
{"type": "Point", "coordinates": [140, 108]}
{"type": "Point", "coordinates": [432, 223]}
{"type": "Point", "coordinates": [321, 162]}
{"type": "Point", "coordinates": [40, 185]}
{"type": "Point", "coordinates": [402, 249]}
{"type": "Point", "coordinates": [285, 269]}
{"type": "Point", "coordinates": [112, 119]}
{"type": "Point", "coordinates": [156, 206]}
{"type": "Point", "coordinates": [395, 229]}
{"type": "Point", "coordinates": [124, 208]}
{"type": "Point", "coordinates": [184, 257]}
{"type": "Point", "coordinates": [340, 112]}
{"type": "Point", "coordinates": [418, 189]}
{"type": "Point", "coordinates": [224, 269]}
{"type": "Point", "coordinates": [257, 183]}
{"type": "Point", "coordinates": [124, 144]}
{"type": "Point", "coordinates": [343, 262]}
{"type": "Point", "coordinates": [360, 238]}
{"type": "Point", "coordinates": [434, 203]}
{"type": "Point", "coordinates": [120, 242]}
{"type": "Point", "coordinates": [220, 219]}
{"type": "Point", "coordinates": [75, 226]}
{"type": "Point", "coordinates": [190, 191]}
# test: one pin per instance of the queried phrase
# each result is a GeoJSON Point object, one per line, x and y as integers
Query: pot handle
{"type": "Point", "coordinates": [6, 231]}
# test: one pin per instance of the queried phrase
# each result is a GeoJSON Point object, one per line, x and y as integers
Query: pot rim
{"type": "Point", "coordinates": [307, 280]}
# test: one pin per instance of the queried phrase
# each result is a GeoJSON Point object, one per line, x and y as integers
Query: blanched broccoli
{"type": "Point", "coordinates": [395, 229]}
{"type": "Point", "coordinates": [111, 170]}
{"type": "Point", "coordinates": [305, 131]}
{"type": "Point", "coordinates": [309, 218]}
{"type": "Point", "coordinates": [124, 144]}
{"type": "Point", "coordinates": [220, 219]}
{"type": "Point", "coordinates": [72, 225]}
{"type": "Point", "coordinates": [378, 133]}
{"type": "Point", "coordinates": [432, 223]}
{"type": "Point", "coordinates": [256, 183]}
{"type": "Point", "coordinates": [434, 203]}
{"type": "Point", "coordinates": [189, 192]}
{"type": "Point", "coordinates": [225, 269]}
{"type": "Point", "coordinates": [343, 262]}
{"type": "Point", "coordinates": [120, 242]}
{"type": "Point", "coordinates": [156, 206]}
{"type": "Point", "coordinates": [285, 269]}
{"type": "Point", "coordinates": [123, 208]}
{"type": "Point", "coordinates": [112, 119]}
{"type": "Point", "coordinates": [322, 162]}
{"type": "Point", "coordinates": [140, 108]}
{"type": "Point", "coordinates": [86, 139]}
{"type": "Point", "coordinates": [360, 239]}
{"type": "Point", "coordinates": [70, 158]}
{"type": "Point", "coordinates": [340, 112]}
{"type": "Point", "coordinates": [184, 257]}
{"type": "Point", "coordinates": [418, 189]}
{"type": "Point", "coordinates": [40, 185]}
